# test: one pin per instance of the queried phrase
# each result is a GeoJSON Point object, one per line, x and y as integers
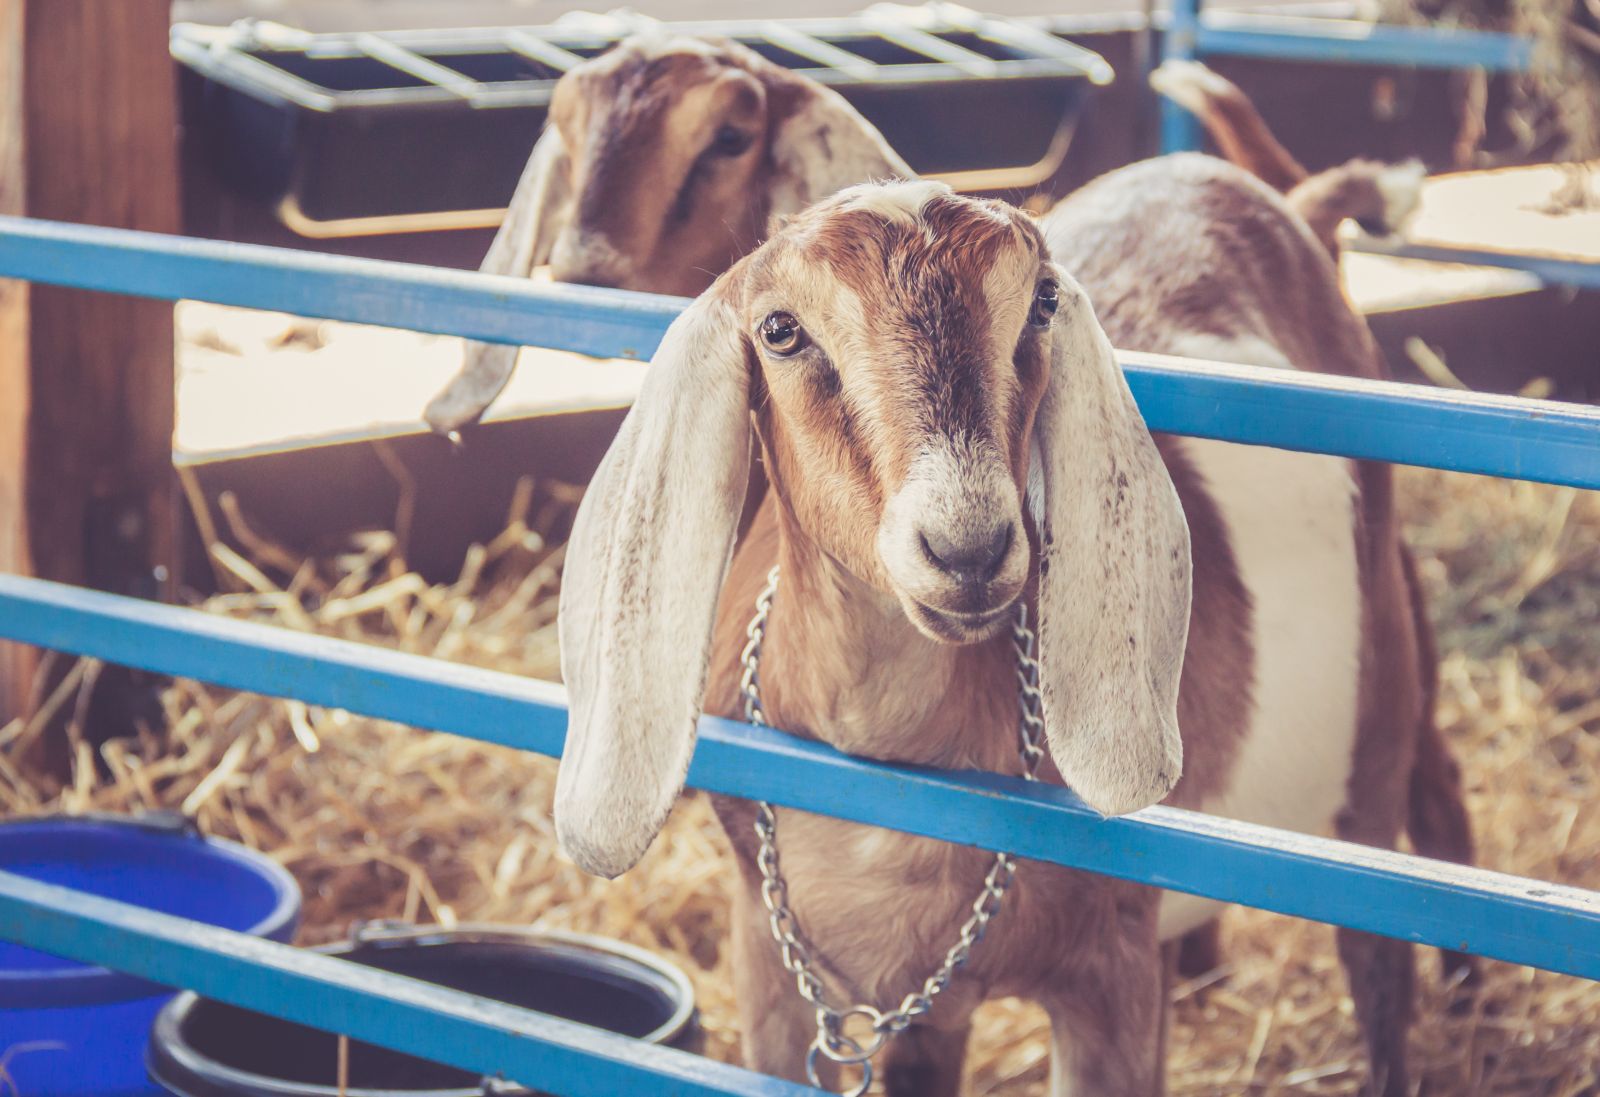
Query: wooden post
{"type": "Point", "coordinates": [88, 133]}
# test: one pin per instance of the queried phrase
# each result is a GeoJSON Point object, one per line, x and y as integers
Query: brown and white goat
{"type": "Point", "coordinates": [665, 159]}
{"type": "Point", "coordinates": [661, 163]}
{"type": "Point", "coordinates": [947, 431]}
{"type": "Point", "coordinates": [1377, 196]}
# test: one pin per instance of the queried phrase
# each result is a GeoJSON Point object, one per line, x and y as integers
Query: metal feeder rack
{"type": "Point", "coordinates": [363, 133]}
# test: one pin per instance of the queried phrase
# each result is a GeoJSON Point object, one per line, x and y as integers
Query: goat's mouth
{"type": "Point", "coordinates": [953, 627]}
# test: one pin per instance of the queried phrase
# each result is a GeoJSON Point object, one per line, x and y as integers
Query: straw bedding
{"type": "Point", "coordinates": [380, 821]}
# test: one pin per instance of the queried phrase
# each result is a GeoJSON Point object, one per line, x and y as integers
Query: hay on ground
{"type": "Point", "coordinates": [380, 821]}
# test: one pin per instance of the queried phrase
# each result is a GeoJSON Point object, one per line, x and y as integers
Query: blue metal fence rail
{"type": "Point", "coordinates": [1466, 432]}
{"type": "Point", "coordinates": [1349, 41]}
{"type": "Point", "coordinates": [1522, 921]}
{"type": "Point", "coordinates": [1554, 271]}
{"type": "Point", "coordinates": [1543, 925]}
{"type": "Point", "coordinates": [447, 1026]}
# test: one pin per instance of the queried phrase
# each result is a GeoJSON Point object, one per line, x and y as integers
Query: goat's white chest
{"type": "Point", "coordinates": [1290, 521]}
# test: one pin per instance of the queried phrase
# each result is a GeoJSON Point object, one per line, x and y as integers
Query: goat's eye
{"type": "Point", "coordinates": [782, 334]}
{"type": "Point", "coordinates": [1045, 302]}
{"type": "Point", "coordinates": [730, 141]}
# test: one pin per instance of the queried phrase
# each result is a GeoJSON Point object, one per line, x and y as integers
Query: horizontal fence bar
{"type": "Point", "coordinates": [1463, 432]}
{"type": "Point", "coordinates": [1549, 269]}
{"type": "Point", "coordinates": [448, 1026]}
{"type": "Point", "coordinates": [1522, 921]}
{"type": "Point", "coordinates": [1507, 436]}
{"type": "Point", "coordinates": [1349, 41]}
{"type": "Point", "coordinates": [492, 308]}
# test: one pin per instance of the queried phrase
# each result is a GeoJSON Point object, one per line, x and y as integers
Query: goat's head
{"type": "Point", "coordinates": [900, 366]}
{"type": "Point", "coordinates": [662, 162]}
{"type": "Point", "coordinates": [673, 154]}
{"type": "Point", "coordinates": [915, 368]}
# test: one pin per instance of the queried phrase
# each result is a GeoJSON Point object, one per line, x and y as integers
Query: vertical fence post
{"type": "Point", "coordinates": [1180, 130]}
{"type": "Point", "coordinates": [88, 133]}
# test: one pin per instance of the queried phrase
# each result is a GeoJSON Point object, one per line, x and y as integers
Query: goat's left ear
{"type": "Point", "coordinates": [1114, 582]}
{"type": "Point", "coordinates": [648, 554]}
{"type": "Point", "coordinates": [541, 205]}
{"type": "Point", "coordinates": [820, 144]}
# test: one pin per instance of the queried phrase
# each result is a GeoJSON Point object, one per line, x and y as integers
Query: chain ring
{"type": "Point", "coordinates": [795, 954]}
{"type": "Point", "coordinates": [818, 1051]}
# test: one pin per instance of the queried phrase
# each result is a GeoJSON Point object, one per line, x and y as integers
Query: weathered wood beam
{"type": "Point", "coordinates": [88, 133]}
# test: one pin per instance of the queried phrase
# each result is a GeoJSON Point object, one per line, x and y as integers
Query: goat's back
{"type": "Point", "coordinates": [1187, 250]}
{"type": "Point", "coordinates": [1300, 683]}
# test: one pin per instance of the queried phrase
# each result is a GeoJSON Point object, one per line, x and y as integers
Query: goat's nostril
{"type": "Point", "coordinates": [974, 560]}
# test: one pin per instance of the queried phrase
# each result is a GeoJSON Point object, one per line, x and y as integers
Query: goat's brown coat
{"type": "Point", "coordinates": [1226, 262]}
{"type": "Point", "coordinates": [1167, 248]}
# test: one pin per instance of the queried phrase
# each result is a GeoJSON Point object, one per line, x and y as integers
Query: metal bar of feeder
{"type": "Point", "coordinates": [414, 64]}
{"type": "Point", "coordinates": [815, 49]}
{"type": "Point", "coordinates": [902, 33]}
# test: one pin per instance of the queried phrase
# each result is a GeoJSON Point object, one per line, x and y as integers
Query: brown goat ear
{"type": "Point", "coordinates": [648, 554]}
{"type": "Point", "coordinates": [1114, 582]}
{"type": "Point", "coordinates": [539, 207]}
{"type": "Point", "coordinates": [821, 144]}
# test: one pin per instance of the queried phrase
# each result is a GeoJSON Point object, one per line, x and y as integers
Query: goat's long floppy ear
{"type": "Point", "coordinates": [1114, 576]}
{"type": "Point", "coordinates": [539, 207]}
{"type": "Point", "coordinates": [822, 145]}
{"type": "Point", "coordinates": [645, 563]}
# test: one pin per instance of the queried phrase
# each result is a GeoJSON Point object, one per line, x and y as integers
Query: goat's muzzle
{"type": "Point", "coordinates": [587, 258]}
{"type": "Point", "coordinates": [952, 544]}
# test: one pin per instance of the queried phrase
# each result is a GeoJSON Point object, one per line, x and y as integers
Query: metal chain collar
{"type": "Point", "coordinates": [831, 1041]}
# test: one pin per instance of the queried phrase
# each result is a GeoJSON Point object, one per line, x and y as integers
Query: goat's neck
{"type": "Point", "coordinates": [842, 662]}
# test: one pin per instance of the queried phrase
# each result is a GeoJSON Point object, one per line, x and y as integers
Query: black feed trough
{"type": "Point", "coordinates": [357, 133]}
{"type": "Point", "coordinates": [204, 1048]}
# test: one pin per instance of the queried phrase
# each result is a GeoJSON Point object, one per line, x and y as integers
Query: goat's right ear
{"type": "Point", "coordinates": [820, 145]}
{"type": "Point", "coordinates": [1114, 575]}
{"type": "Point", "coordinates": [648, 554]}
{"type": "Point", "coordinates": [539, 207]}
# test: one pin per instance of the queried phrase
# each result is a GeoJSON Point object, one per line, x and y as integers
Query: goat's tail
{"type": "Point", "coordinates": [1438, 822]}
{"type": "Point", "coordinates": [1379, 197]}
{"type": "Point", "coordinates": [1232, 121]}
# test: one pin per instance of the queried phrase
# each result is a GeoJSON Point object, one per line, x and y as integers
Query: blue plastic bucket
{"type": "Point", "coordinates": [71, 1030]}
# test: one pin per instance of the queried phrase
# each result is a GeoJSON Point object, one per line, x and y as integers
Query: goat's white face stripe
{"type": "Point", "coordinates": [1290, 521]}
{"type": "Point", "coordinates": [961, 487]}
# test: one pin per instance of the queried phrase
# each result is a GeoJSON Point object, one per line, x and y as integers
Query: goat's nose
{"type": "Point", "coordinates": [972, 559]}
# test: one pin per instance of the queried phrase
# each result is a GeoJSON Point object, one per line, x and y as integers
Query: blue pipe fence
{"type": "Point", "coordinates": [1549, 926]}
{"type": "Point", "coordinates": [1466, 432]}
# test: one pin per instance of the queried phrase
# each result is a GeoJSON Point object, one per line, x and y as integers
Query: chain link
{"type": "Point", "coordinates": [831, 1041]}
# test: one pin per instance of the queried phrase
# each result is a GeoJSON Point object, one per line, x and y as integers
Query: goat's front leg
{"type": "Point", "coordinates": [1380, 970]}
{"type": "Point", "coordinates": [1107, 1038]}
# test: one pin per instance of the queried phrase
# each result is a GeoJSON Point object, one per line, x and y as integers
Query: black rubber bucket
{"type": "Point", "coordinates": [202, 1048]}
